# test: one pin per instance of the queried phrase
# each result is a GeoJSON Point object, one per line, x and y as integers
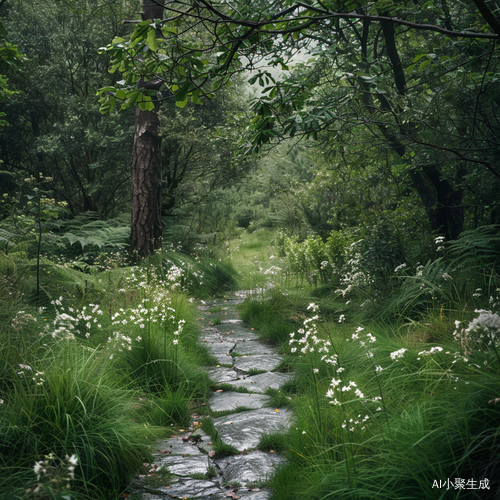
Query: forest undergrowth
{"type": "Point", "coordinates": [395, 393]}
{"type": "Point", "coordinates": [98, 362]}
{"type": "Point", "coordinates": [396, 389]}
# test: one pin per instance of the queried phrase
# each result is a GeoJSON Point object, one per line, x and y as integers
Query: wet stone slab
{"type": "Point", "coordinates": [175, 446]}
{"type": "Point", "coordinates": [203, 441]}
{"type": "Point", "coordinates": [224, 401]}
{"type": "Point", "coordinates": [186, 488]}
{"type": "Point", "coordinates": [180, 457]}
{"type": "Point", "coordinates": [220, 348]}
{"type": "Point", "coordinates": [223, 375]}
{"type": "Point", "coordinates": [253, 347]}
{"type": "Point", "coordinates": [243, 430]}
{"type": "Point", "coordinates": [251, 495]}
{"type": "Point", "coordinates": [184, 466]}
{"type": "Point", "coordinates": [265, 362]}
{"type": "Point", "coordinates": [211, 337]}
{"type": "Point", "coordinates": [237, 332]}
{"type": "Point", "coordinates": [259, 383]}
{"type": "Point", "coordinates": [253, 467]}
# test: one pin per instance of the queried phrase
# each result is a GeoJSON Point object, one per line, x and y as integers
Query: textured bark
{"type": "Point", "coordinates": [146, 184]}
{"type": "Point", "coordinates": [146, 228]}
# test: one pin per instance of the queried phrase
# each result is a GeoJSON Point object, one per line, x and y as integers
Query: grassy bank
{"type": "Point", "coordinates": [394, 398]}
{"type": "Point", "coordinates": [96, 368]}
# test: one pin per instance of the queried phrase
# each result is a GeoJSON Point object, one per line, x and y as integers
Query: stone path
{"type": "Point", "coordinates": [244, 363]}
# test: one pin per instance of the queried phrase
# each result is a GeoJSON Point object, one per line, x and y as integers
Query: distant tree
{"type": "Point", "coordinates": [55, 125]}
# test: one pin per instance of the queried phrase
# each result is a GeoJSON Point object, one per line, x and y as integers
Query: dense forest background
{"type": "Point", "coordinates": [338, 152]}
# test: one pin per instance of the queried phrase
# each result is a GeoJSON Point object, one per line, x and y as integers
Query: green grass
{"type": "Point", "coordinates": [220, 448]}
{"type": "Point", "coordinates": [80, 408]}
{"type": "Point", "coordinates": [421, 418]}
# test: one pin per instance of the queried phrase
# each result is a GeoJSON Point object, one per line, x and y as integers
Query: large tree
{"type": "Point", "coordinates": [146, 229]}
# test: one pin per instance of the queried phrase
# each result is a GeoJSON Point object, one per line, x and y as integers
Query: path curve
{"type": "Point", "coordinates": [244, 362]}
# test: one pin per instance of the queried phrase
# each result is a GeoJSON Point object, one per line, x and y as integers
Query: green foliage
{"type": "Point", "coordinates": [270, 318]}
{"type": "Point", "coordinates": [70, 403]}
{"type": "Point", "coordinates": [478, 247]}
{"type": "Point", "coordinates": [65, 137]}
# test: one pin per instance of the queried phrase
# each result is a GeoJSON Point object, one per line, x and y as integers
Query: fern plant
{"type": "Point", "coordinates": [476, 247]}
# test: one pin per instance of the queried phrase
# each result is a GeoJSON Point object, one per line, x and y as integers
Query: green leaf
{"type": "Point", "coordinates": [181, 94]}
{"type": "Point", "coordinates": [418, 57]}
{"type": "Point", "coordinates": [152, 42]}
{"type": "Point", "coordinates": [424, 65]}
{"type": "Point", "coordinates": [146, 106]}
{"type": "Point", "coordinates": [181, 104]}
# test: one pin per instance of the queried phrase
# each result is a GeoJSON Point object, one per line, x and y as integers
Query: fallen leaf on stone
{"type": "Point", "coordinates": [211, 453]}
{"type": "Point", "coordinates": [232, 495]}
{"type": "Point", "coordinates": [228, 423]}
{"type": "Point", "coordinates": [186, 439]}
{"type": "Point", "coordinates": [219, 390]}
{"type": "Point", "coordinates": [272, 451]}
{"type": "Point", "coordinates": [255, 489]}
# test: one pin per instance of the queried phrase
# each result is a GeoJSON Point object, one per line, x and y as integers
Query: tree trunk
{"type": "Point", "coordinates": [146, 228]}
{"type": "Point", "coordinates": [146, 184]}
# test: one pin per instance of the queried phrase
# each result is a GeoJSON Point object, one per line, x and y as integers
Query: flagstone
{"type": "Point", "coordinates": [224, 401]}
{"type": "Point", "coordinates": [243, 430]}
{"type": "Point", "coordinates": [267, 362]}
{"type": "Point", "coordinates": [260, 383]}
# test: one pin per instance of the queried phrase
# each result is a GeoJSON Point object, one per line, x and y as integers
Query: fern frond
{"type": "Point", "coordinates": [481, 245]}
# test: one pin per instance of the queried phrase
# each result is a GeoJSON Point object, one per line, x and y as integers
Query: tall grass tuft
{"type": "Point", "coordinates": [70, 403]}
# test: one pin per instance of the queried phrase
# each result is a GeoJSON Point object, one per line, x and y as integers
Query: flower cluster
{"type": "Point", "coordinates": [396, 355]}
{"type": "Point", "coordinates": [309, 340]}
{"type": "Point", "coordinates": [71, 321]}
{"type": "Point", "coordinates": [21, 319]}
{"type": "Point", "coordinates": [51, 475]}
{"type": "Point", "coordinates": [273, 270]}
{"type": "Point", "coordinates": [351, 423]}
{"type": "Point", "coordinates": [482, 332]}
